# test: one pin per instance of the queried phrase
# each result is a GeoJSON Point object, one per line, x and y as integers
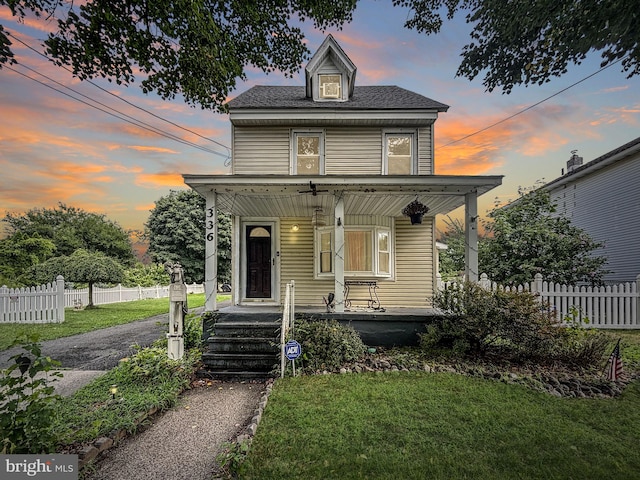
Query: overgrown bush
{"type": "Point", "coordinates": [514, 326]}
{"type": "Point", "coordinates": [28, 401]}
{"type": "Point", "coordinates": [327, 344]}
{"type": "Point", "coordinates": [151, 363]}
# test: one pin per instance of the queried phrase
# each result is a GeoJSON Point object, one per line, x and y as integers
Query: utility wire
{"type": "Point", "coordinates": [137, 123]}
{"type": "Point", "coordinates": [532, 106]}
{"type": "Point", "coordinates": [134, 120]}
{"type": "Point", "coordinates": [121, 99]}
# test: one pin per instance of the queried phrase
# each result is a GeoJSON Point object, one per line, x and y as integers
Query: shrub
{"type": "Point", "coordinates": [327, 345]}
{"type": "Point", "coordinates": [512, 325]}
{"type": "Point", "coordinates": [27, 405]}
{"type": "Point", "coordinates": [151, 363]}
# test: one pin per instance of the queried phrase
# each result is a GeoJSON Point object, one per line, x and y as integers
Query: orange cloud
{"type": "Point", "coordinates": [146, 148]}
{"type": "Point", "coordinates": [155, 180]}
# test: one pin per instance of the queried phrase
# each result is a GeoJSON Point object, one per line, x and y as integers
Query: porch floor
{"type": "Point", "coordinates": [388, 328]}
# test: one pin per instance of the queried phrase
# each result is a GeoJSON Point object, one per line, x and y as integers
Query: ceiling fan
{"type": "Point", "coordinates": [314, 189]}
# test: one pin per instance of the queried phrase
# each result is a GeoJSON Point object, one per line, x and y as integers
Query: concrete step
{"type": "Point", "coordinates": [246, 329]}
{"type": "Point", "coordinates": [242, 345]}
{"type": "Point", "coordinates": [239, 362]}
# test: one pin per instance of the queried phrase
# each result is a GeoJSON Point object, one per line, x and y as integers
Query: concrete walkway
{"type": "Point", "coordinates": [183, 442]}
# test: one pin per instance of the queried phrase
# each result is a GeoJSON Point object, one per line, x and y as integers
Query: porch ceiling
{"type": "Point", "coordinates": [292, 196]}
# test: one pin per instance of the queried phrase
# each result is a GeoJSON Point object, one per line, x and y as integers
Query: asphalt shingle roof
{"type": "Point", "coordinates": [364, 98]}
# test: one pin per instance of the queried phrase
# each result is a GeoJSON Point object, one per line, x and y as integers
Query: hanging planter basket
{"type": "Point", "coordinates": [416, 218]}
{"type": "Point", "coordinates": [415, 211]}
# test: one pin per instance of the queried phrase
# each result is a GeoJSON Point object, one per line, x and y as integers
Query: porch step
{"type": "Point", "coordinates": [237, 362]}
{"type": "Point", "coordinates": [241, 345]}
{"type": "Point", "coordinates": [246, 329]}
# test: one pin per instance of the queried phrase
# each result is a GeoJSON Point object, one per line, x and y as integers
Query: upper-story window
{"type": "Point", "coordinates": [399, 153]}
{"type": "Point", "coordinates": [308, 153]}
{"type": "Point", "coordinates": [329, 86]}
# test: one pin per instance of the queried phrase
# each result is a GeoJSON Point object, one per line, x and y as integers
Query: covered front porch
{"type": "Point", "coordinates": [280, 204]}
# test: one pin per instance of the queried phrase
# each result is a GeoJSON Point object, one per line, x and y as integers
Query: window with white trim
{"type": "Point", "coordinates": [330, 86]}
{"type": "Point", "coordinates": [325, 254]}
{"type": "Point", "coordinates": [308, 153]}
{"type": "Point", "coordinates": [367, 252]}
{"type": "Point", "coordinates": [399, 154]}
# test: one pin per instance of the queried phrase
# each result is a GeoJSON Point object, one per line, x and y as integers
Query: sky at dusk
{"type": "Point", "coordinates": [54, 148]}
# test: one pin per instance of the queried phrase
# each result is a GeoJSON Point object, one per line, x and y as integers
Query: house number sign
{"type": "Point", "coordinates": [211, 224]}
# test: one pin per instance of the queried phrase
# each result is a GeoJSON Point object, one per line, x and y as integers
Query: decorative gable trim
{"type": "Point", "coordinates": [330, 59]}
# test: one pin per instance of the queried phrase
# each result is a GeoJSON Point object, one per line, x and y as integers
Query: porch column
{"type": "Point", "coordinates": [471, 236]}
{"type": "Point", "coordinates": [211, 253]}
{"type": "Point", "coordinates": [338, 255]}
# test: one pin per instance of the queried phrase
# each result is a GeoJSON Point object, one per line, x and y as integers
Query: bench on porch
{"type": "Point", "coordinates": [373, 301]}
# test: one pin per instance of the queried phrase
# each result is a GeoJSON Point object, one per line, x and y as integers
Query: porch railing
{"type": "Point", "coordinates": [288, 316]}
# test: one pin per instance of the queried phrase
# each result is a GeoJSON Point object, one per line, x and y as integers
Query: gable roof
{"type": "Point", "coordinates": [364, 98]}
{"type": "Point", "coordinates": [330, 48]}
{"type": "Point", "coordinates": [602, 161]}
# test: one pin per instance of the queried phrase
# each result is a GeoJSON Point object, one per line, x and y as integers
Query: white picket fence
{"type": "Point", "coordinates": [609, 306]}
{"type": "Point", "coordinates": [46, 303]}
{"type": "Point", "coordinates": [117, 294]}
{"type": "Point", "coordinates": [41, 304]}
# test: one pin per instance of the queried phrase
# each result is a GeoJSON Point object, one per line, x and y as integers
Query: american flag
{"type": "Point", "coordinates": [614, 366]}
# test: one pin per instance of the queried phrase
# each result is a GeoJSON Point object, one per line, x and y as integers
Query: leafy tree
{"type": "Point", "coordinates": [452, 259]}
{"type": "Point", "coordinates": [176, 232]}
{"type": "Point", "coordinates": [194, 48]}
{"type": "Point", "coordinates": [81, 266]}
{"type": "Point", "coordinates": [528, 237]}
{"type": "Point", "coordinates": [145, 276]}
{"type": "Point", "coordinates": [199, 49]}
{"type": "Point", "coordinates": [71, 228]}
{"type": "Point", "coordinates": [528, 42]}
{"type": "Point", "coordinates": [20, 252]}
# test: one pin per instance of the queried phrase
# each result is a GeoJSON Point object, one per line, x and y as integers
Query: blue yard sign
{"type": "Point", "coordinates": [292, 350]}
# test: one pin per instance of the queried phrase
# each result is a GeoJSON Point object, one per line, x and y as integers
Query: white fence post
{"type": "Point", "coordinates": [60, 297]}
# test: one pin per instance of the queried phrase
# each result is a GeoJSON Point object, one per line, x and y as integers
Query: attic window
{"type": "Point", "coordinates": [329, 86]}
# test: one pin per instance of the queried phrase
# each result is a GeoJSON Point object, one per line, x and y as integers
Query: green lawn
{"type": "Point", "coordinates": [440, 426]}
{"type": "Point", "coordinates": [89, 319]}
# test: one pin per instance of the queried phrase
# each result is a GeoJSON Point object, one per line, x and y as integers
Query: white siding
{"type": "Point", "coordinates": [260, 151]}
{"type": "Point", "coordinates": [414, 261]}
{"type": "Point", "coordinates": [414, 264]}
{"type": "Point", "coordinates": [350, 151]}
{"type": "Point", "coordinates": [425, 160]}
{"type": "Point", "coordinates": [606, 204]}
{"type": "Point", "coordinates": [296, 262]}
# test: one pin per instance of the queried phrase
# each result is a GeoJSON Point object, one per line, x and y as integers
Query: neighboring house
{"type": "Point", "coordinates": [320, 175]}
{"type": "Point", "coordinates": [602, 197]}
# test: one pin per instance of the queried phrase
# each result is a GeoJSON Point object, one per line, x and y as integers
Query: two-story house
{"type": "Point", "coordinates": [320, 176]}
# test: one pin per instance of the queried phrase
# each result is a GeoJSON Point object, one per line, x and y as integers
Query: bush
{"type": "Point", "coordinates": [511, 325]}
{"type": "Point", "coordinates": [28, 404]}
{"type": "Point", "coordinates": [327, 345]}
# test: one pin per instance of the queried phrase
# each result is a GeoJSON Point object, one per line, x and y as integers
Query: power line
{"type": "Point", "coordinates": [532, 106]}
{"type": "Point", "coordinates": [135, 122]}
{"type": "Point", "coordinates": [123, 100]}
